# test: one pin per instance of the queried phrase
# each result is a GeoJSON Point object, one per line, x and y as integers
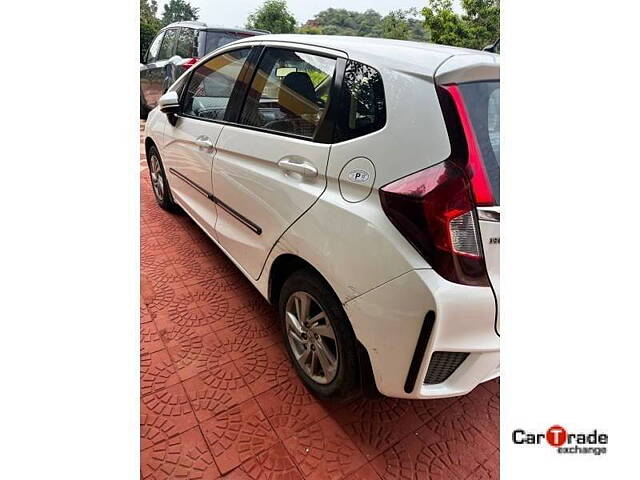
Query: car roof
{"type": "Point", "coordinates": [415, 57]}
{"type": "Point", "coordinates": [212, 28]}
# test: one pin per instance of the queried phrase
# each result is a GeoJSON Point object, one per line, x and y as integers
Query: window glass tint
{"type": "Point", "coordinates": [362, 105]}
{"type": "Point", "coordinates": [289, 92]}
{"type": "Point", "coordinates": [218, 39]}
{"type": "Point", "coordinates": [211, 85]}
{"type": "Point", "coordinates": [168, 44]}
{"type": "Point", "coordinates": [482, 100]}
{"type": "Point", "coordinates": [154, 49]}
{"type": "Point", "coordinates": [187, 46]}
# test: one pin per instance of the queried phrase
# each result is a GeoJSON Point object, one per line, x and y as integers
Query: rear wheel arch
{"type": "Point", "coordinates": [148, 143]}
{"type": "Point", "coordinates": [282, 268]}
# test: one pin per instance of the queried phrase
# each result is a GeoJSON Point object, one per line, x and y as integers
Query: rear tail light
{"type": "Point", "coordinates": [435, 208]}
{"type": "Point", "coordinates": [189, 63]}
{"type": "Point", "coordinates": [482, 190]}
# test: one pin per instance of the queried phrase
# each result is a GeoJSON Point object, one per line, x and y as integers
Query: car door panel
{"type": "Point", "coordinates": [270, 171]}
{"type": "Point", "coordinates": [248, 179]}
{"type": "Point", "coordinates": [189, 144]}
{"type": "Point", "coordinates": [188, 162]}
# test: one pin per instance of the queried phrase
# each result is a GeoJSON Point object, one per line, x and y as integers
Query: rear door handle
{"type": "Point", "coordinates": [303, 168]}
{"type": "Point", "coordinates": [204, 143]}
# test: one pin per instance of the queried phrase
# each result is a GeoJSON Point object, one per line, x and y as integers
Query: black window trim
{"type": "Point", "coordinates": [324, 132]}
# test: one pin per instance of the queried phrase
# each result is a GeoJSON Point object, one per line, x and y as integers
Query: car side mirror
{"type": "Point", "coordinates": [169, 103]}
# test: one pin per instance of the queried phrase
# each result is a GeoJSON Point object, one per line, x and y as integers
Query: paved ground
{"type": "Point", "coordinates": [219, 397]}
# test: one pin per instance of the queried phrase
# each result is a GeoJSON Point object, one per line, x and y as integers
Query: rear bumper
{"type": "Point", "coordinates": [387, 321]}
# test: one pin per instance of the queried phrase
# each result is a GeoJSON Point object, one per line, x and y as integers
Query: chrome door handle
{"type": "Point", "coordinates": [204, 142]}
{"type": "Point", "coordinates": [304, 169]}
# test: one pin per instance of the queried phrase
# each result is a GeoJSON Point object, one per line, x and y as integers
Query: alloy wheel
{"type": "Point", "coordinates": [311, 337]}
{"type": "Point", "coordinates": [157, 180]}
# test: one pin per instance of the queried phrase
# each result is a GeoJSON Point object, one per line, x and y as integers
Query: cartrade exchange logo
{"type": "Point", "coordinates": [594, 442]}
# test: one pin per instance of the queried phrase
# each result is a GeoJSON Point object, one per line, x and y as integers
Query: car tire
{"type": "Point", "coordinates": [159, 183]}
{"type": "Point", "coordinates": [342, 382]}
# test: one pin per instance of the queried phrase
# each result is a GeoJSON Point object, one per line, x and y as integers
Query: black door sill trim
{"type": "Point", "coordinates": [238, 216]}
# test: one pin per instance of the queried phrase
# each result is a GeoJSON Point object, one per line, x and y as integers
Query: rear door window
{"type": "Point", "coordinates": [289, 92]}
{"type": "Point", "coordinates": [362, 104]}
{"type": "Point", "coordinates": [211, 85]}
{"type": "Point", "coordinates": [187, 46]}
{"type": "Point", "coordinates": [482, 100]}
{"type": "Point", "coordinates": [168, 44]}
{"type": "Point", "coordinates": [218, 39]}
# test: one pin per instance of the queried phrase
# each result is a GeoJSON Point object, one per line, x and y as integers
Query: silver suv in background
{"type": "Point", "coordinates": [177, 47]}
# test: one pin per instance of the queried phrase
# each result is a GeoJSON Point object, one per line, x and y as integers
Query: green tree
{"type": "Point", "coordinates": [273, 16]}
{"type": "Point", "coordinates": [149, 24]}
{"type": "Point", "coordinates": [177, 11]}
{"type": "Point", "coordinates": [483, 17]}
{"type": "Point", "coordinates": [402, 25]}
{"type": "Point", "coordinates": [476, 28]}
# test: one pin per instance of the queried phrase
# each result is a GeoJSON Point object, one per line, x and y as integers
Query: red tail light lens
{"type": "Point", "coordinates": [482, 190]}
{"type": "Point", "coordinates": [189, 63]}
{"type": "Point", "coordinates": [435, 211]}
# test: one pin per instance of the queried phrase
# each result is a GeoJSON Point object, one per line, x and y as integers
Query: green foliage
{"type": "Point", "coordinates": [400, 24]}
{"type": "Point", "coordinates": [273, 16]}
{"type": "Point", "coordinates": [150, 25]}
{"type": "Point", "coordinates": [177, 11]}
{"type": "Point", "coordinates": [478, 27]}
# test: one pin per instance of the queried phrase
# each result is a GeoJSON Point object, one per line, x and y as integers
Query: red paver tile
{"type": "Point", "coordinates": [375, 424]}
{"type": "Point", "coordinates": [218, 374]}
{"type": "Point", "coordinates": [471, 416]}
{"type": "Point", "coordinates": [204, 309]}
{"type": "Point", "coordinates": [274, 463]}
{"type": "Point", "coordinates": [155, 429]}
{"type": "Point", "coordinates": [150, 340]}
{"type": "Point", "coordinates": [208, 401]}
{"type": "Point", "coordinates": [324, 451]}
{"type": "Point", "coordinates": [145, 315]}
{"type": "Point", "coordinates": [157, 372]}
{"type": "Point", "coordinates": [264, 368]}
{"type": "Point", "coordinates": [183, 343]}
{"type": "Point", "coordinates": [185, 456]}
{"type": "Point", "coordinates": [366, 472]}
{"type": "Point", "coordinates": [426, 455]}
{"type": "Point", "coordinates": [238, 434]}
{"type": "Point", "coordinates": [255, 319]}
{"type": "Point", "coordinates": [157, 297]}
{"type": "Point", "coordinates": [290, 414]}
{"type": "Point", "coordinates": [427, 409]}
{"type": "Point", "coordinates": [489, 469]}
{"type": "Point", "coordinates": [171, 404]}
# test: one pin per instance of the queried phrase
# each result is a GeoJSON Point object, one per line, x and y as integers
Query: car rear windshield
{"type": "Point", "coordinates": [218, 39]}
{"type": "Point", "coordinates": [482, 100]}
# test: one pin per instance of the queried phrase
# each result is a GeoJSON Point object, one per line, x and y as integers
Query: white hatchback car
{"type": "Point", "coordinates": [355, 183]}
